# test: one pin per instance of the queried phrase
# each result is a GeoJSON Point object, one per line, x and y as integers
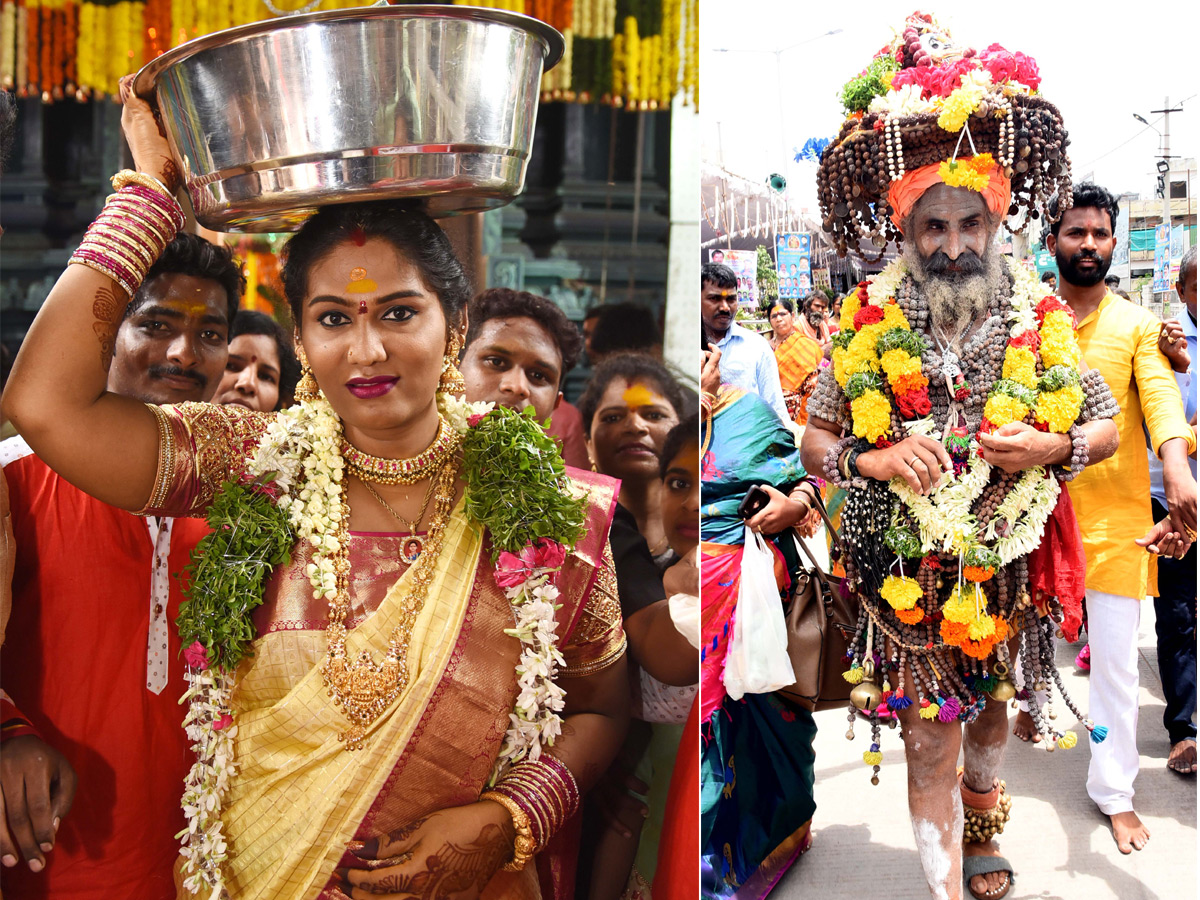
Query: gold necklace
{"type": "Point", "coordinates": [407, 552]}
{"type": "Point", "coordinates": [363, 688]}
{"type": "Point", "coordinates": [401, 471]}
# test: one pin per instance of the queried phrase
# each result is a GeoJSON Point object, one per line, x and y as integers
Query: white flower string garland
{"type": "Point", "coordinates": [292, 491]}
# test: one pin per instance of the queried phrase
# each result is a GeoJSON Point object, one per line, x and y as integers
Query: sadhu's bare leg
{"type": "Point", "coordinates": [984, 741]}
{"type": "Point", "coordinates": [934, 803]}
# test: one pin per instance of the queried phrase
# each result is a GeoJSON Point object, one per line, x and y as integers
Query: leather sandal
{"type": "Point", "coordinates": [983, 865]}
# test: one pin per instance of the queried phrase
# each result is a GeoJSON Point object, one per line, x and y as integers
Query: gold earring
{"type": "Point", "coordinates": [452, 381]}
{"type": "Point", "coordinates": [307, 388]}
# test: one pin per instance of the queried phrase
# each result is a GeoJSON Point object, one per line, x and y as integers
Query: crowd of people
{"type": "Point", "coordinates": [365, 718]}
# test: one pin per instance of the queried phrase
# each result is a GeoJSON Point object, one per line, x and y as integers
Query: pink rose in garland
{"type": "Point", "coordinates": [223, 721]}
{"type": "Point", "coordinates": [550, 554]}
{"type": "Point", "coordinates": [513, 569]}
{"type": "Point", "coordinates": [195, 656]}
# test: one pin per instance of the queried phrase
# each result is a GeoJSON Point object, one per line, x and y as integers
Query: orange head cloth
{"type": "Point", "coordinates": [907, 190]}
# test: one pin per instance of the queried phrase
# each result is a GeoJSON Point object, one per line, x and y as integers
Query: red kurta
{"type": "Point", "coordinates": [76, 663]}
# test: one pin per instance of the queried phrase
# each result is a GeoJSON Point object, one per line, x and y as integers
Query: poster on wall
{"type": "Point", "coordinates": [745, 266]}
{"type": "Point", "coordinates": [793, 265]}
{"type": "Point", "coordinates": [1162, 259]}
{"type": "Point", "coordinates": [821, 279]}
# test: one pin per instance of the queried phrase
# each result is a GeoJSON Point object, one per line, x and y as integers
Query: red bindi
{"type": "Point", "coordinates": [362, 307]}
{"type": "Point", "coordinates": [358, 236]}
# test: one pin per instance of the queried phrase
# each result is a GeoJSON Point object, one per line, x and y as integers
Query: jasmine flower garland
{"type": "Point", "coordinates": [292, 491]}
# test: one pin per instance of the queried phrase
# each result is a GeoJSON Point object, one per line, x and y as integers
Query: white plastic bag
{"type": "Point", "coordinates": [757, 662]}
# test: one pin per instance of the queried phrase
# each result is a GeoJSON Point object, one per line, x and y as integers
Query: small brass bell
{"type": "Point", "coordinates": [1004, 690]}
{"type": "Point", "coordinates": [866, 696]}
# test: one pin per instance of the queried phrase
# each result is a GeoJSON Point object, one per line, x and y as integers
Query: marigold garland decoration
{"type": "Point", "coordinates": [634, 54]}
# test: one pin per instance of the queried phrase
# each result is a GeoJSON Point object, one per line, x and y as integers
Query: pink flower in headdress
{"type": "Point", "coordinates": [195, 656]}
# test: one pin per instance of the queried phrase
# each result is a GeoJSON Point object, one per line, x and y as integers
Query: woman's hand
{"type": "Point", "coordinates": [146, 138]}
{"type": "Point", "coordinates": [451, 854]}
{"type": "Point", "coordinates": [782, 512]}
{"type": "Point", "coordinates": [919, 460]}
{"type": "Point", "coordinates": [683, 577]}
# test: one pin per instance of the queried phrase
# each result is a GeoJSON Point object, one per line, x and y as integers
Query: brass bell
{"type": "Point", "coordinates": [866, 696]}
{"type": "Point", "coordinates": [1004, 690]}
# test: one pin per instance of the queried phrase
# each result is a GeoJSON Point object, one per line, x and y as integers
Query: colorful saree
{"type": "Point", "coordinates": [299, 795]}
{"type": "Point", "coordinates": [756, 800]}
{"type": "Point", "coordinates": [799, 359]}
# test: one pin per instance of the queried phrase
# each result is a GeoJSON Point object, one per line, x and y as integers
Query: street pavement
{"type": "Point", "coordinates": [1058, 841]}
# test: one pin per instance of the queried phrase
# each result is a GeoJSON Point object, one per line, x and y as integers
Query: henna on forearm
{"type": "Point", "coordinates": [107, 307]}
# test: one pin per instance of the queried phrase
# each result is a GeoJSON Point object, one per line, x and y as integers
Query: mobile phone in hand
{"type": "Point", "coordinates": [755, 500]}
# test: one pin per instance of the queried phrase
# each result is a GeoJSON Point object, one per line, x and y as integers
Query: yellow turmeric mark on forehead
{"type": "Point", "coordinates": [637, 395]}
{"type": "Point", "coordinates": [360, 283]}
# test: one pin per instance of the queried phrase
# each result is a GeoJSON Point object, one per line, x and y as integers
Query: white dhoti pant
{"type": "Point", "coordinates": [1113, 702]}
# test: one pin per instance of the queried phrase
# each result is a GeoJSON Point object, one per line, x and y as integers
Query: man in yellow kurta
{"type": "Point", "coordinates": [1112, 498]}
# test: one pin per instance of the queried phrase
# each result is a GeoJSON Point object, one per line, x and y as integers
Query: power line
{"type": "Point", "coordinates": [1137, 135]}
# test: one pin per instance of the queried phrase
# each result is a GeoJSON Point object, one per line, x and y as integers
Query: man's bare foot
{"type": "Point", "coordinates": [1183, 757]}
{"type": "Point", "coordinates": [992, 885]}
{"type": "Point", "coordinates": [1128, 831]}
{"type": "Point", "coordinates": [1024, 728]}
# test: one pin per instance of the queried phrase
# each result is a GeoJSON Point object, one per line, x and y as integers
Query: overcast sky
{"type": "Point", "coordinates": [1098, 69]}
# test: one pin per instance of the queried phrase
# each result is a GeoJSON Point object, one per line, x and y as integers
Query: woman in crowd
{"type": "Point", "coordinates": [630, 406]}
{"type": "Point", "coordinates": [678, 856]}
{"type": "Point", "coordinates": [262, 370]}
{"type": "Point", "coordinates": [354, 648]}
{"type": "Point", "coordinates": [798, 357]}
{"type": "Point", "coordinates": [757, 754]}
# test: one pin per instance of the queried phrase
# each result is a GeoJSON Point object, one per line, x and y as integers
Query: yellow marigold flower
{"type": "Point", "coordinates": [894, 318]}
{"type": "Point", "coordinates": [958, 107]}
{"type": "Point", "coordinates": [901, 592]}
{"type": "Point", "coordinates": [959, 607]}
{"type": "Point", "coordinates": [981, 162]}
{"type": "Point", "coordinates": [897, 363]}
{"type": "Point", "coordinates": [1021, 365]}
{"type": "Point", "coordinates": [872, 415]}
{"type": "Point", "coordinates": [981, 630]}
{"type": "Point", "coordinates": [959, 174]}
{"type": "Point", "coordinates": [850, 307]}
{"type": "Point", "coordinates": [1059, 347]}
{"type": "Point", "coordinates": [860, 355]}
{"type": "Point", "coordinates": [1002, 409]}
{"type": "Point", "coordinates": [1059, 409]}
{"type": "Point", "coordinates": [839, 365]}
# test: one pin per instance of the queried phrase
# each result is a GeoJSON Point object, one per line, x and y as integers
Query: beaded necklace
{"type": "Point", "coordinates": [401, 471]}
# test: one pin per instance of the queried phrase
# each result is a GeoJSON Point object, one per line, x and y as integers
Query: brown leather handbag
{"type": "Point", "coordinates": [820, 624]}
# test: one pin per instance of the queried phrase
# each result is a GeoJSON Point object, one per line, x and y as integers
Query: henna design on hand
{"type": "Point", "coordinates": [451, 869]}
{"type": "Point", "coordinates": [107, 308]}
{"type": "Point", "coordinates": [170, 174]}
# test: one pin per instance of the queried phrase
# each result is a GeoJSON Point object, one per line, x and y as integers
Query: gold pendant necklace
{"type": "Point", "coordinates": [363, 688]}
{"type": "Point", "coordinates": [413, 547]}
{"type": "Point", "coordinates": [401, 471]}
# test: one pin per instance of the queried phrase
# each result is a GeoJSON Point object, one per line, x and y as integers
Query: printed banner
{"type": "Point", "coordinates": [793, 264]}
{"type": "Point", "coordinates": [745, 266]}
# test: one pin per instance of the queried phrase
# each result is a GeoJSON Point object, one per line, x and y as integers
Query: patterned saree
{"type": "Point", "coordinates": [299, 796]}
{"type": "Point", "coordinates": [756, 798]}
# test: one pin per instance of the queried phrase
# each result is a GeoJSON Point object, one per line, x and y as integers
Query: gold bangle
{"type": "Point", "coordinates": [111, 234]}
{"type": "Point", "coordinates": [143, 212]}
{"type": "Point", "coordinates": [128, 176]}
{"type": "Point", "coordinates": [136, 229]}
{"type": "Point", "coordinates": [523, 846]}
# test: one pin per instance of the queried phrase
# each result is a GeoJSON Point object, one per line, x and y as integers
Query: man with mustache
{"type": "Point", "coordinates": [814, 322]}
{"type": "Point", "coordinates": [747, 360]}
{"type": "Point", "coordinates": [1119, 339]}
{"type": "Point", "coordinates": [92, 654]}
{"type": "Point", "coordinates": [955, 406]}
